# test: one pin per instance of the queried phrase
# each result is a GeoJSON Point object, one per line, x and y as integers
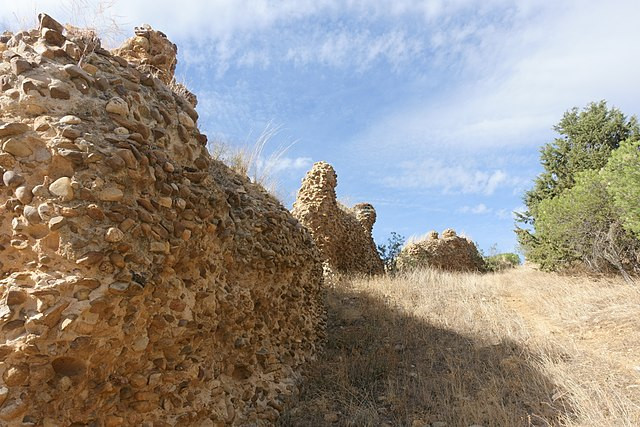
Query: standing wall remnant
{"type": "Point", "coordinates": [141, 281]}
{"type": "Point", "coordinates": [343, 235]}
{"type": "Point", "coordinates": [448, 252]}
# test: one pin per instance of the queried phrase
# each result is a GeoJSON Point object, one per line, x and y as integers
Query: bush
{"type": "Point", "coordinates": [582, 224]}
{"type": "Point", "coordinates": [389, 252]}
{"type": "Point", "coordinates": [500, 262]}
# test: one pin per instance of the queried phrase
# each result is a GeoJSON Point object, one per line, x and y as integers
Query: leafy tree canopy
{"type": "Point", "coordinates": [586, 140]}
{"type": "Point", "coordinates": [622, 176]}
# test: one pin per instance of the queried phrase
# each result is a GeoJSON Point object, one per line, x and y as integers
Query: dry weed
{"type": "Point", "coordinates": [519, 348]}
{"type": "Point", "coordinates": [251, 159]}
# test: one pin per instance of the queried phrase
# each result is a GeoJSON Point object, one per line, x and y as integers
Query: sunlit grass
{"type": "Point", "coordinates": [521, 347]}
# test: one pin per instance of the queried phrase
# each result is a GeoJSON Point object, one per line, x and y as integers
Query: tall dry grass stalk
{"type": "Point", "coordinates": [252, 160]}
{"type": "Point", "coordinates": [97, 18]}
{"type": "Point", "coordinates": [519, 348]}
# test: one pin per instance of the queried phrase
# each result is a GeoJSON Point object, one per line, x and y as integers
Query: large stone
{"type": "Point", "coordinates": [53, 37]}
{"type": "Point", "coordinates": [117, 105]}
{"type": "Point", "coordinates": [75, 71]}
{"type": "Point", "coordinates": [61, 187]}
{"type": "Point", "coordinates": [12, 178]}
{"type": "Point", "coordinates": [17, 147]}
{"type": "Point", "coordinates": [111, 194]}
{"type": "Point", "coordinates": [19, 66]}
{"type": "Point", "coordinates": [8, 129]}
{"type": "Point", "coordinates": [59, 90]}
{"type": "Point", "coordinates": [70, 120]}
{"type": "Point", "coordinates": [23, 193]}
{"type": "Point", "coordinates": [48, 22]}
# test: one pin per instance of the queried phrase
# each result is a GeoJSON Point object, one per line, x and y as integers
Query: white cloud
{"type": "Point", "coordinates": [226, 32]}
{"type": "Point", "coordinates": [281, 164]}
{"type": "Point", "coordinates": [479, 209]}
{"type": "Point", "coordinates": [357, 48]}
{"type": "Point", "coordinates": [433, 174]}
{"type": "Point", "coordinates": [518, 76]}
{"type": "Point", "coordinates": [504, 214]}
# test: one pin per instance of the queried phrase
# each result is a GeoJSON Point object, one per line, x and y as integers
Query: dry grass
{"type": "Point", "coordinates": [252, 160]}
{"type": "Point", "coordinates": [520, 348]}
{"type": "Point", "coordinates": [97, 18]}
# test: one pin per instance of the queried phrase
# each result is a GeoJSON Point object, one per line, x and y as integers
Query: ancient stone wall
{"type": "Point", "coordinates": [142, 283]}
{"type": "Point", "coordinates": [448, 252]}
{"type": "Point", "coordinates": [343, 235]}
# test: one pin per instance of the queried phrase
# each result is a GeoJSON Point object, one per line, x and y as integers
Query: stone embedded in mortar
{"type": "Point", "coordinates": [61, 187]}
{"type": "Point", "coordinates": [343, 235]}
{"type": "Point", "coordinates": [141, 281]}
{"type": "Point", "coordinates": [118, 106]}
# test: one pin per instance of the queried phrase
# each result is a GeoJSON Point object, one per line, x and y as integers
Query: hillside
{"type": "Point", "coordinates": [517, 348]}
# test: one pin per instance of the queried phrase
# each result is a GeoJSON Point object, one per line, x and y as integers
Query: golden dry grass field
{"type": "Point", "coordinates": [518, 348]}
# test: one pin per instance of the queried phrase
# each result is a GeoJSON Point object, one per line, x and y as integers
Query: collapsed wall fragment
{"type": "Point", "coordinates": [448, 252]}
{"type": "Point", "coordinates": [343, 235]}
{"type": "Point", "coordinates": [141, 281]}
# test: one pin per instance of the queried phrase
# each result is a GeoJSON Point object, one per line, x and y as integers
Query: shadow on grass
{"type": "Point", "coordinates": [384, 367]}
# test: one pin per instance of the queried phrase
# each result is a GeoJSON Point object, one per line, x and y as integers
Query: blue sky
{"type": "Point", "coordinates": [434, 111]}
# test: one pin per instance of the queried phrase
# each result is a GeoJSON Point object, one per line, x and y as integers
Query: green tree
{"type": "Point", "coordinates": [585, 143]}
{"type": "Point", "coordinates": [583, 224]}
{"type": "Point", "coordinates": [622, 176]}
{"type": "Point", "coordinates": [566, 225]}
{"type": "Point", "coordinates": [586, 140]}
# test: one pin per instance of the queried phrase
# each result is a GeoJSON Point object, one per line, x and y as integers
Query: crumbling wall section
{"type": "Point", "coordinates": [448, 252]}
{"type": "Point", "coordinates": [343, 235]}
{"type": "Point", "coordinates": [141, 281]}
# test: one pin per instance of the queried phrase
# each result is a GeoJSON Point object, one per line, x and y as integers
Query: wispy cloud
{"type": "Point", "coordinates": [450, 179]}
{"type": "Point", "coordinates": [283, 164]}
{"type": "Point", "coordinates": [518, 75]}
{"type": "Point", "coordinates": [335, 33]}
{"type": "Point", "coordinates": [479, 209]}
{"type": "Point", "coordinates": [355, 48]}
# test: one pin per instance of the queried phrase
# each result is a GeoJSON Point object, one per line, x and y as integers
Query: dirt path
{"type": "Point", "coordinates": [603, 337]}
{"type": "Point", "coordinates": [536, 321]}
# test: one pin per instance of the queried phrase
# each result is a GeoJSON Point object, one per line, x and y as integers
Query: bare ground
{"type": "Point", "coordinates": [520, 348]}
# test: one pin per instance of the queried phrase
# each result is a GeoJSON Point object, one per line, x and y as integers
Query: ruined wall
{"type": "Point", "coordinates": [448, 252]}
{"type": "Point", "coordinates": [343, 235]}
{"type": "Point", "coordinates": [141, 282]}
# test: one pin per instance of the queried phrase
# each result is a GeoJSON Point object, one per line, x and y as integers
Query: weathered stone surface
{"type": "Point", "coordinates": [19, 65]}
{"type": "Point", "coordinates": [141, 281]}
{"type": "Point", "coordinates": [151, 48]}
{"type": "Point", "coordinates": [70, 120]}
{"type": "Point", "coordinates": [111, 194]}
{"type": "Point", "coordinates": [53, 37]}
{"type": "Point", "coordinates": [449, 252]}
{"type": "Point", "coordinates": [61, 187]}
{"type": "Point", "coordinates": [23, 193]}
{"type": "Point", "coordinates": [343, 235]}
{"type": "Point", "coordinates": [48, 22]}
{"type": "Point", "coordinates": [17, 147]}
{"type": "Point", "coordinates": [12, 178]}
{"type": "Point", "coordinates": [155, 54]}
{"type": "Point", "coordinates": [118, 106]}
{"type": "Point", "coordinates": [59, 90]}
{"type": "Point", "coordinates": [8, 129]}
